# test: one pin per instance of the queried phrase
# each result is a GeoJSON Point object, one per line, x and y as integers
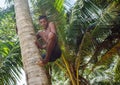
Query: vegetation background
{"type": "Point", "coordinates": [89, 36]}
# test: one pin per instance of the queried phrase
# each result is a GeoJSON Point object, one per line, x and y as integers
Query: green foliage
{"type": "Point", "coordinates": [10, 63]}
{"type": "Point", "coordinates": [98, 76]}
{"type": "Point", "coordinates": [7, 24]}
{"type": "Point", "coordinates": [58, 76]}
{"type": "Point", "coordinates": [87, 32]}
{"type": "Point", "coordinates": [117, 71]}
{"type": "Point", "coordinates": [10, 57]}
{"type": "Point", "coordinates": [97, 27]}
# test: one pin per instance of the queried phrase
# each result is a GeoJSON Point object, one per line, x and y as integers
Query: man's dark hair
{"type": "Point", "coordinates": [42, 17]}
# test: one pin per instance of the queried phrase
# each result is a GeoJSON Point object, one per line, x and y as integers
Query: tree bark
{"type": "Point", "coordinates": [35, 74]}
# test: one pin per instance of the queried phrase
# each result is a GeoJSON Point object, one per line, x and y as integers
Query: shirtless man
{"type": "Point", "coordinates": [49, 36]}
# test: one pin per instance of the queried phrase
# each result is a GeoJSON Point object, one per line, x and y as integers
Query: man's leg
{"type": "Point", "coordinates": [50, 46]}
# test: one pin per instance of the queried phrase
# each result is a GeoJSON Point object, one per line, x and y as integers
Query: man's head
{"type": "Point", "coordinates": [43, 21]}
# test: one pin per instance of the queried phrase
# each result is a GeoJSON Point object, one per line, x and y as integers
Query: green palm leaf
{"type": "Point", "coordinates": [10, 64]}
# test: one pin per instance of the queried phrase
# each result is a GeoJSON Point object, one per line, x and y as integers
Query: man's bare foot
{"type": "Point", "coordinates": [41, 63]}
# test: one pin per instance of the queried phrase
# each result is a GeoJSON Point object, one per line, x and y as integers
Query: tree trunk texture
{"type": "Point", "coordinates": [30, 54]}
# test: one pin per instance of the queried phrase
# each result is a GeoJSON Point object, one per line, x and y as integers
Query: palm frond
{"type": "Point", "coordinates": [107, 56]}
{"type": "Point", "coordinates": [101, 75]}
{"type": "Point", "coordinates": [117, 71]}
{"type": "Point", "coordinates": [10, 64]}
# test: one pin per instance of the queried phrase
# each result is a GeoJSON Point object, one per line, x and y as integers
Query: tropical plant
{"type": "Point", "coordinates": [10, 57]}
{"type": "Point", "coordinates": [100, 26]}
{"type": "Point", "coordinates": [89, 36]}
{"type": "Point", "coordinates": [35, 74]}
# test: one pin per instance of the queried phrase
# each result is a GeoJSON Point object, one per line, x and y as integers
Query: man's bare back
{"type": "Point", "coordinates": [48, 35]}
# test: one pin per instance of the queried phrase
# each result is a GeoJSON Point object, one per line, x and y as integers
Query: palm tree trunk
{"type": "Point", "coordinates": [30, 54]}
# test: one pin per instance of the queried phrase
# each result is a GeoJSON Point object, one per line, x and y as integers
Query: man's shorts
{"type": "Point", "coordinates": [56, 53]}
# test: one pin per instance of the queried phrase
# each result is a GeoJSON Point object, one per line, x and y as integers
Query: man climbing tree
{"type": "Point", "coordinates": [49, 37]}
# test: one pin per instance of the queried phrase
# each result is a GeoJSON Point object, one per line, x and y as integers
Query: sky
{"type": "Point", "coordinates": [2, 4]}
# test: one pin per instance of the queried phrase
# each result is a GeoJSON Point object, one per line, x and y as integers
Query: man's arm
{"type": "Point", "coordinates": [37, 42]}
{"type": "Point", "coordinates": [38, 35]}
{"type": "Point", "coordinates": [52, 28]}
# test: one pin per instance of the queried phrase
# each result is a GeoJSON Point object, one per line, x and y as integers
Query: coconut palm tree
{"type": "Point", "coordinates": [30, 54]}
{"type": "Point", "coordinates": [89, 37]}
